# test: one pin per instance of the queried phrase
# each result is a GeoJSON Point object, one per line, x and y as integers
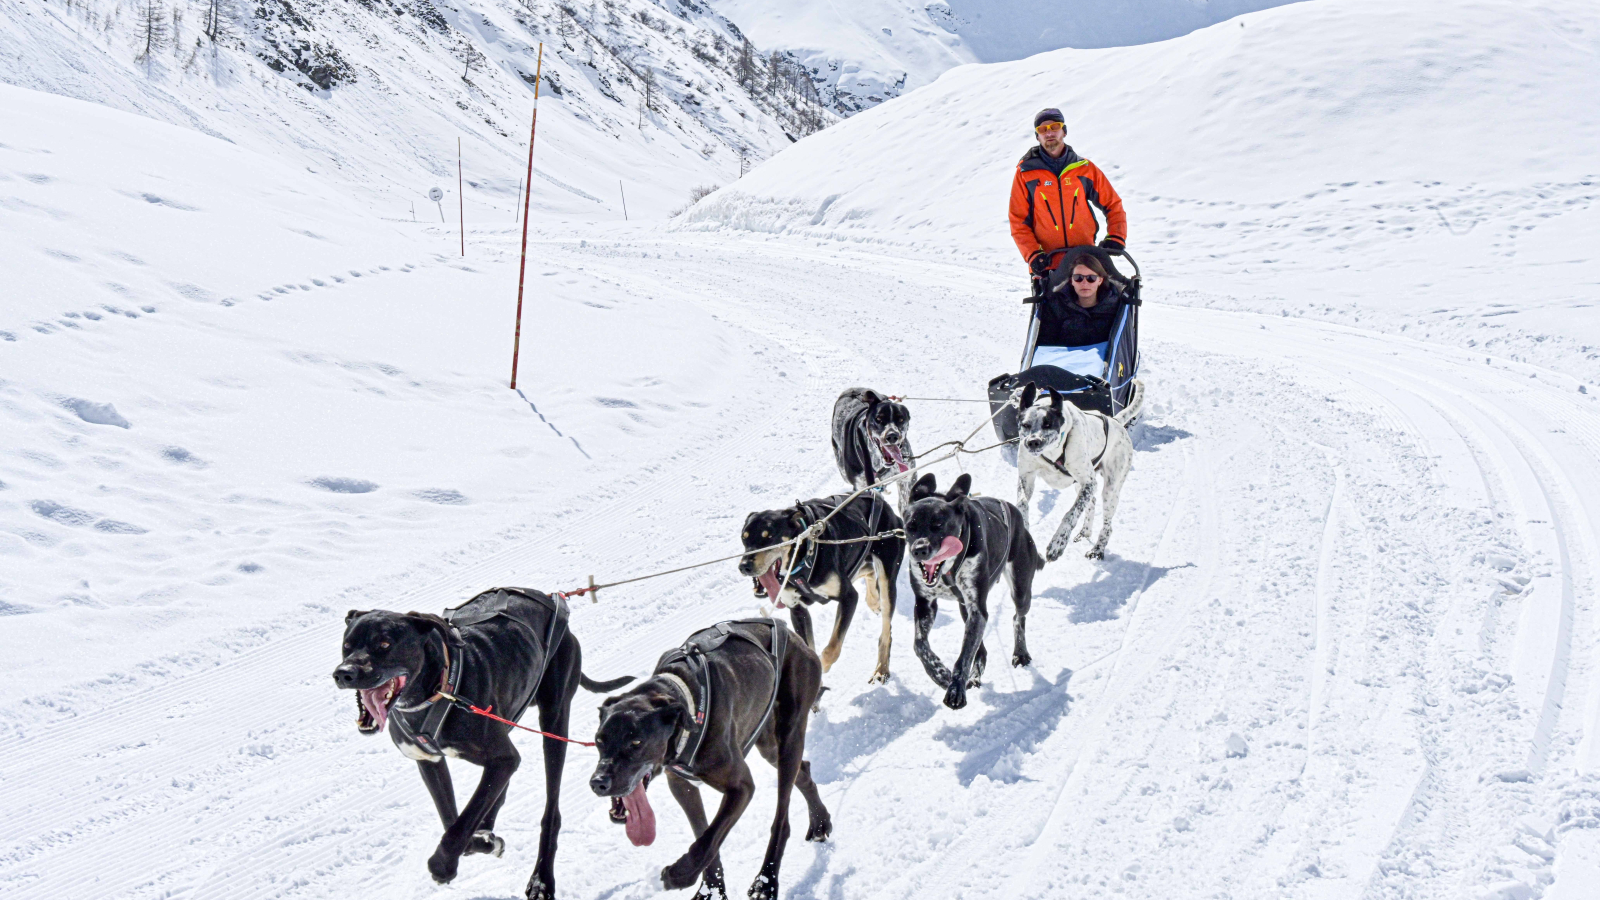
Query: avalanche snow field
{"type": "Point", "coordinates": [1341, 646]}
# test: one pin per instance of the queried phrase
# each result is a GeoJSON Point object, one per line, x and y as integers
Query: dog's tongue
{"type": "Point", "coordinates": [373, 700]}
{"type": "Point", "coordinates": [641, 826]}
{"type": "Point", "coordinates": [899, 459]}
{"type": "Point", "coordinates": [769, 583]}
{"type": "Point", "coordinates": [950, 547]}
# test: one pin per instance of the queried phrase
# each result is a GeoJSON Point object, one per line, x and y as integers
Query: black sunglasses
{"type": "Point", "coordinates": [1086, 279]}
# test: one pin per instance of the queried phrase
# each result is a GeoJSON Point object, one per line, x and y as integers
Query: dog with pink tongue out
{"type": "Point", "coordinates": [729, 687]}
{"type": "Point", "coordinates": [961, 545]}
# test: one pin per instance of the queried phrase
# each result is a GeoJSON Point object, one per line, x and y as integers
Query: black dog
{"type": "Point", "coordinates": [820, 572]}
{"type": "Point", "coordinates": [503, 650]}
{"type": "Point", "coordinates": [869, 439]}
{"type": "Point", "coordinates": [962, 545]}
{"type": "Point", "coordinates": [728, 687]}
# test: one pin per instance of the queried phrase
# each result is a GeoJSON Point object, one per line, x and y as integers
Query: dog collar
{"type": "Point", "coordinates": [688, 698]}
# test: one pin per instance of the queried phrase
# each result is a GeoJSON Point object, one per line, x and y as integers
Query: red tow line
{"type": "Point", "coordinates": [488, 713]}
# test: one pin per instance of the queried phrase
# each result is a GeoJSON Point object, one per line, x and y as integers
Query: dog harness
{"type": "Point", "coordinates": [697, 689]}
{"type": "Point", "coordinates": [1105, 444]}
{"type": "Point", "coordinates": [511, 604]}
{"type": "Point", "coordinates": [802, 567]}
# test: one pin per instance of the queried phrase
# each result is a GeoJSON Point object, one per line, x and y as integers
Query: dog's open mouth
{"type": "Point", "coordinates": [634, 813]}
{"type": "Point", "coordinates": [892, 455]}
{"type": "Point", "coordinates": [372, 704]}
{"type": "Point", "coordinates": [769, 585]}
{"type": "Point", "coordinates": [933, 565]}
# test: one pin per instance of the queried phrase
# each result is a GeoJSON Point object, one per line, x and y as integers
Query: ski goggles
{"type": "Point", "coordinates": [1046, 127]}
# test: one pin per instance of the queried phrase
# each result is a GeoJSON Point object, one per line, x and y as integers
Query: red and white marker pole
{"type": "Point", "coordinates": [522, 267]}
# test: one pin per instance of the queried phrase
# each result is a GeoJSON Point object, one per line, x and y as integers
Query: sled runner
{"type": "Point", "coordinates": [1095, 377]}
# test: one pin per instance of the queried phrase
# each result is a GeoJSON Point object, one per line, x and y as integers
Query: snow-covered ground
{"type": "Point", "coordinates": [1345, 642]}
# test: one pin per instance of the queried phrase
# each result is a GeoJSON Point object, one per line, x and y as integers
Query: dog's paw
{"type": "Point", "coordinates": [679, 875]}
{"type": "Point", "coordinates": [765, 887]}
{"type": "Point", "coordinates": [1021, 659]}
{"type": "Point", "coordinates": [709, 891]}
{"type": "Point", "coordinates": [1095, 553]}
{"type": "Point", "coordinates": [485, 842]}
{"type": "Point", "coordinates": [821, 828]}
{"type": "Point", "coordinates": [1053, 552]}
{"type": "Point", "coordinates": [956, 696]}
{"type": "Point", "coordinates": [442, 865]}
{"type": "Point", "coordinates": [538, 890]}
{"type": "Point", "coordinates": [879, 677]}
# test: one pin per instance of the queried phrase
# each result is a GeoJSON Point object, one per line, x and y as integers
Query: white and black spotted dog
{"type": "Point", "coordinates": [870, 440]}
{"type": "Point", "coordinates": [1068, 446]}
{"type": "Point", "coordinates": [961, 546]}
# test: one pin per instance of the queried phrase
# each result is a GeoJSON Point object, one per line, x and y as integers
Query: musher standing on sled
{"type": "Point", "coordinates": [1051, 194]}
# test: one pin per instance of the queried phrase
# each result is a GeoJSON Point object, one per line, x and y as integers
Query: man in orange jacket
{"type": "Point", "coordinates": [1051, 194]}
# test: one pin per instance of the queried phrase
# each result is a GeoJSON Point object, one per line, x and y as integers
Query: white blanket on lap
{"type": "Point", "coordinates": [1090, 360]}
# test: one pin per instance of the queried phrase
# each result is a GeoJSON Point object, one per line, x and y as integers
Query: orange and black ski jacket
{"type": "Point", "coordinates": [1050, 200]}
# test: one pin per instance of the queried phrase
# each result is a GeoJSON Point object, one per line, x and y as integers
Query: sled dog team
{"type": "Point", "coordinates": [439, 683]}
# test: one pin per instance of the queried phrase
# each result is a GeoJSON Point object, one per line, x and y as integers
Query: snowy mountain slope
{"type": "Point", "coordinates": [216, 390]}
{"type": "Point", "coordinates": [1345, 158]}
{"type": "Point", "coordinates": [864, 53]}
{"type": "Point", "coordinates": [375, 95]}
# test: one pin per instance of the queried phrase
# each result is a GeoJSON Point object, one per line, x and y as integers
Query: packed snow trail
{"type": "Point", "coordinates": [1341, 644]}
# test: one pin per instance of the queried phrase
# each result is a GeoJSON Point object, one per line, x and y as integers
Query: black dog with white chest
{"type": "Point", "coordinates": [819, 572]}
{"type": "Point", "coordinates": [870, 440]}
{"type": "Point", "coordinates": [727, 688]}
{"type": "Point", "coordinates": [503, 650]}
{"type": "Point", "coordinates": [961, 545]}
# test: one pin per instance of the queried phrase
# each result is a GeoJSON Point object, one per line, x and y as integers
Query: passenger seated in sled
{"type": "Point", "coordinates": [1076, 319]}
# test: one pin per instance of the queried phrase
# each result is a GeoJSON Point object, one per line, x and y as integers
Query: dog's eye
{"type": "Point", "coordinates": [764, 534]}
{"type": "Point", "coordinates": [383, 645]}
{"type": "Point", "coordinates": [636, 743]}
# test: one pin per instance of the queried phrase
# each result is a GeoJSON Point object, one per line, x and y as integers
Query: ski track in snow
{"type": "Point", "coordinates": [1368, 557]}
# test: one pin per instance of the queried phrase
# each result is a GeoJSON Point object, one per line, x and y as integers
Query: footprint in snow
{"type": "Point", "coordinates": [96, 413]}
{"type": "Point", "coordinates": [77, 518]}
{"type": "Point", "coordinates": [344, 485]}
{"type": "Point", "coordinates": [183, 457]}
{"type": "Point", "coordinates": [444, 496]}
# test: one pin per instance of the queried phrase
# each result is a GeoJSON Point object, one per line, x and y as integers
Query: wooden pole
{"type": "Point", "coordinates": [522, 267]}
{"type": "Point", "coordinates": [461, 199]}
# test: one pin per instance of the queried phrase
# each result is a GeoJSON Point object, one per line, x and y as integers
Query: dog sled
{"type": "Point", "coordinates": [1097, 377]}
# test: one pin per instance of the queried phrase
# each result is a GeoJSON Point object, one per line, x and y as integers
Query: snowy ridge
{"type": "Point", "coordinates": [864, 53]}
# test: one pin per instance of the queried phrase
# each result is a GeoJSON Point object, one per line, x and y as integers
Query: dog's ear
{"type": "Point", "coordinates": [427, 622]}
{"type": "Point", "coordinates": [960, 489]}
{"type": "Point", "coordinates": [1030, 392]}
{"type": "Point", "coordinates": [872, 397]}
{"type": "Point", "coordinates": [352, 615]}
{"type": "Point", "coordinates": [925, 487]}
{"type": "Point", "coordinates": [1056, 400]}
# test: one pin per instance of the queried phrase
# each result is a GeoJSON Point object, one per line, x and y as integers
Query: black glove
{"type": "Point", "coordinates": [1112, 245]}
{"type": "Point", "coordinates": [1038, 264]}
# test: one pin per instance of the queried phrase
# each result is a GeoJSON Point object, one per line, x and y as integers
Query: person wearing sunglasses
{"type": "Point", "coordinates": [1082, 316]}
{"type": "Point", "coordinates": [1053, 195]}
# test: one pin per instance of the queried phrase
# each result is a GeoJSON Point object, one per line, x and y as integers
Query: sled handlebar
{"type": "Point", "coordinates": [1038, 293]}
